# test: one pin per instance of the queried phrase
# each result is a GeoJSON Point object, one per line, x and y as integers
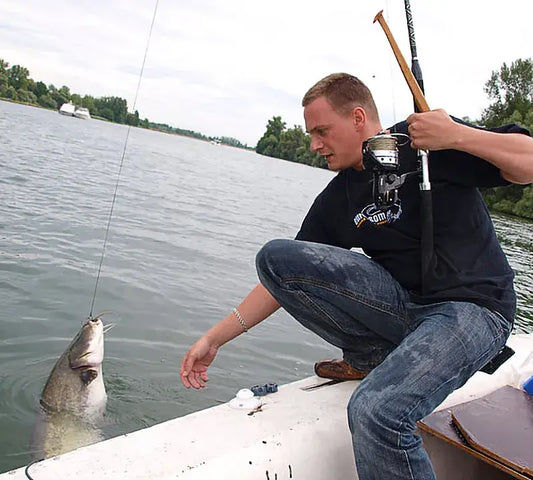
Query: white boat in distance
{"type": "Point", "coordinates": [71, 110]}
{"type": "Point", "coordinates": [67, 109]}
{"type": "Point", "coordinates": [82, 113]}
{"type": "Point", "coordinates": [299, 432]}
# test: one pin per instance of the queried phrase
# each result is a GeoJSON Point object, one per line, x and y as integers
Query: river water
{"type": "Point", "coordinates": [188, 220]}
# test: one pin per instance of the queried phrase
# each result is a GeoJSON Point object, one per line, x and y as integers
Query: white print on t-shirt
{"type": "Point", "coordinates": [378, 216]}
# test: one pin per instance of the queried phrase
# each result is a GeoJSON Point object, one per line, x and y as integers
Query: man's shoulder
{"type": "Point", "coordinates": [504, 128]}
{"type": "Point", "coordinates": [337, 191]}
{"type": "Point", "coordinates": [400, 127]}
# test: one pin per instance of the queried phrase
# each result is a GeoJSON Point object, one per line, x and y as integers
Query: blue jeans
{"type": "Point", "coordinates": [418, 354]}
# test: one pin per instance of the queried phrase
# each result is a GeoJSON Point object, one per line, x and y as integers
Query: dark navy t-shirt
{"type": "Point", "coordinates": [468, 263]}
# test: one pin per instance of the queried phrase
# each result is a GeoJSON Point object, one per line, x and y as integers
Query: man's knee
{"type": "Point", "coordinates": [359, 412]}
{"type": "Point", "coordinates": [264, 260]}
{"type": "Point", "coordinates": [370, 413]}
{"type": "Point", "coordinates": [271, 257]}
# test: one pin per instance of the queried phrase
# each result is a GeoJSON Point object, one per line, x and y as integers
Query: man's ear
{"type": "Point", "coordinates": [358, 115]}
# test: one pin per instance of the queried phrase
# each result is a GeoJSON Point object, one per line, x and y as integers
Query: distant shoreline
{"type": "Point", "coordinates": [154, 129]}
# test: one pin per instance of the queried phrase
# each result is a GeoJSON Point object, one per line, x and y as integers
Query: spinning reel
{"type": "Point", "coordinates": [380, 155]}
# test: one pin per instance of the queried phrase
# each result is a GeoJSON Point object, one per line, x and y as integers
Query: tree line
{"type": "Point", "coordinates": [510, 90]}
{"type": "Point", "coordinates": [17, 85]}
{"type": "Point", "coordinates": [289, 144]}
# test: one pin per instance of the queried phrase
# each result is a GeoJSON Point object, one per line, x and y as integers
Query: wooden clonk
{"type": "Point", "coordinates": [420, 100]}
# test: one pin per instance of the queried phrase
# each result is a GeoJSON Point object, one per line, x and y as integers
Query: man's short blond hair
{"type": "Point", "coordinates": [344, 92]}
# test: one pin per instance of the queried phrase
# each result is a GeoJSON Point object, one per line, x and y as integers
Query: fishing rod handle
{"type": "Point", "coordinates": [425, 184]}
{"type": "Point", "coordinates": [420, 100]}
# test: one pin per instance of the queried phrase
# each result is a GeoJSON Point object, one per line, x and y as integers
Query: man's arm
{"type": "Point", "coordinates": [512, 153]}
{"type": "Point", "coordinates": [257, 306]}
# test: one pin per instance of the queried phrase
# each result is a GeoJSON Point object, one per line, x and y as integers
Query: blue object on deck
{"type": "Point", "coordinates": [528, 385]}
{"type": "Point", "coordinates": [261, 390]}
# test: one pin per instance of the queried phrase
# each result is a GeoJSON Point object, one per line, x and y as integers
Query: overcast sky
{"type": "Point", "coordinates": [226, 68]}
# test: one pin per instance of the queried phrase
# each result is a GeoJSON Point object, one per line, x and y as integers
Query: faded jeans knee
{"type": "Point", "coordinates": [363, 416]}
{"type": "Point", "coordinates": [264, 260]}
{"type": "Point", "coordinates": [383, 438]}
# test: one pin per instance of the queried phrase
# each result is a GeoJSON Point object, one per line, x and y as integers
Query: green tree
{"type": "Point", "coordinates": [106, 113]}
{"type": "Point", "coordinates": [60, 96]}
{"type": "Point", "coordinates": [11, 93]}
{"type": "Point", "coordinates": [114, 109]}
{"type": "Point", "coordinates": [269, 143]}
{"type": "Point", "coordinates": [304, 154]}
{"type": "Point", "coordinates": [65, 91]}
{"type": "Point", "coordinates": [47, 101]}
{"type": "Point", "coordinates": [290, 144]}
{"type": "Point", "coordinates": [26, 96]}
{"type": "Point", "coordinates": [290, 141]}
{"type": "Point", "coordinates": [233, 142]}
{"type": "Point", "coordinates": [269, 146]}
{"type": "Point", "coordinates": [133, 119]}
{"type": "Point", "coordinates": [53, 94]}
{"type": "Point", "coordinates": [88, 102]}
{"type": "Point", "coordinates": [524, 206]}
{"type": "Point", "coordinates": [511, 90]}
{"type": "Point", "coordinates": [76, 99]}
{"type": "Point", "coordinates": [40, 89]}
{"type": "Point", "coordinates": [18, 77]}
{"type": "Point", "coordinates": [3, 75]}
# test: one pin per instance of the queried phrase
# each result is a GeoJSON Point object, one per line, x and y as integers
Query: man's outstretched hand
{"type": "Point", "coordinates": [193, 371]}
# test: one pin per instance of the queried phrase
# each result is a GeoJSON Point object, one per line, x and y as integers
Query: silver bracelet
{"type": "Point", "coordinates": [241, 320]}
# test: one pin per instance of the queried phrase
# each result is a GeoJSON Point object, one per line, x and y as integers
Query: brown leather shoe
{"type": "Point", "coordinates": [339, 370]}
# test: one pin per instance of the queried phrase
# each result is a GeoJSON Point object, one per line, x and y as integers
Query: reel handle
{"type": "Point", "coordinates": [418, 95]}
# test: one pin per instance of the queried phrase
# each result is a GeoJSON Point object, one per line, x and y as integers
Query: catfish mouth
{"type": "Point", "coordinates": [86, 351]}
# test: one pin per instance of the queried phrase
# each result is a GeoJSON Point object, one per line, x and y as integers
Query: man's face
{"type": "Point", "coordinates": [335, 136]}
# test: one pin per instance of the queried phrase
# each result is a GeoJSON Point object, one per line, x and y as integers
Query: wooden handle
{"type": "Point", "coordinates": [420, 100]}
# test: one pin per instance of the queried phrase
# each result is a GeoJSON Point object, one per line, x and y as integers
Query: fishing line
{"type": "Point", "coordinates": [122, 162]}
{"type": "Point", "coordinates": [27, 469]}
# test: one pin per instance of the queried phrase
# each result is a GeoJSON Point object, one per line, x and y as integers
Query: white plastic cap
{"type": "Point", "coordinates": [245, 399]}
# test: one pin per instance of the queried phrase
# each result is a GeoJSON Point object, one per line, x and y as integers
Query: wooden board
{"type": "Point", "coordinates": [501, 426]}
{"type": "Point", "coordinates": [440, 425]}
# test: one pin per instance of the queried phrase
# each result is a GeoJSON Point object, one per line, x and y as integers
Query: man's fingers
{"type": "Point", "coordinates": [411, 118]}
{"type": "Point", "coordinates": [185, 370]}
{"type": "Point", "coordinates": [196, 380]}
{"type": "Point", "coordinates": [185, 381]}
{"type": "Point", "coordinates": [192, 373]}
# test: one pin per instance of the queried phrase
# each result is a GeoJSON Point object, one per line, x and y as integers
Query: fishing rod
{"type": "Point", "coordinates": [426, 205]}
{"type": "Point", "coordinates": [426, 202]}
{"type": "Point", "coordinates": [415, 66]}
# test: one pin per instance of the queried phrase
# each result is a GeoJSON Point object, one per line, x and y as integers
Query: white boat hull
{"type": "Point", "coordinates": [82, 113]}
{"type": "Point", "coordinates": [67, 109]}
{"type": "Point", "coordinates": [298, 433]}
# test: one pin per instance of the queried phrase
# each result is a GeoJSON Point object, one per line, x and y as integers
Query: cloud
{"type": "Point", "coordinates": [225, 68]}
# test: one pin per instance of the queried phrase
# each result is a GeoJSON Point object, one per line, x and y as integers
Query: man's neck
{"type": "Point", "coordinates": [373, 129]}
